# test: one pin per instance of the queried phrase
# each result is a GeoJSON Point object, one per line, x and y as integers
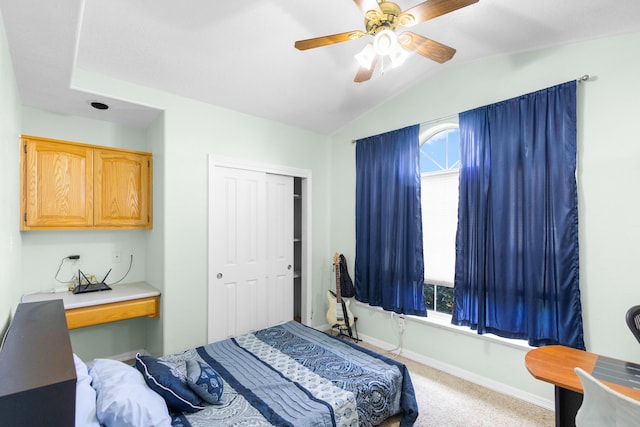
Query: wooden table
{"type": "Point", "coordinates": [555, 364]}
{"type": "Point", "coordinates": [124, 301]}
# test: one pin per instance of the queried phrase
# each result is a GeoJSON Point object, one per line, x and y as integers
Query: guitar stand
{"type": "Point", "coordinates": [343, 331]}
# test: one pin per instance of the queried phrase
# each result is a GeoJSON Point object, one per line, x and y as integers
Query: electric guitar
{"type": "Point", "coordinates": [338, 313]}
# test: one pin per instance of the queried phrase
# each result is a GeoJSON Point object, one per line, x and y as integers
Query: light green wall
{"type": "Point", "coordinates": [42, 251]}
{"type": "Point", "coordinates": [38, 122]}
{"type": "Point", "coordinates": [10, 245]}
{"type": "Point", "coordinates": [173, 256]}
{"type": "Point", "coordinates": [156, 241]}
{"type": "Point", "coordinates": [608, 176]}
{"type": "Point", "coordinates": [192, 132]}
{"type": "Point", "coordinates": [47, 248]}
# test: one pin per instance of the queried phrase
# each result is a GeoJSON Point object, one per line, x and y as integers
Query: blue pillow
{"type": "Point", "coordinates": [205, 381]}
{"type": "Point", "coordinates": [168, 382]}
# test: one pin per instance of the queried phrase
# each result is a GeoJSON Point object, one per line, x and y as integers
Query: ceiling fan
{"type": "Point", "coordinates": [382, 19]}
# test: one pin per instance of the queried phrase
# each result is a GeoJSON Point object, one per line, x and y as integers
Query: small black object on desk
{"type": "Point", "coordinates": [91, 287]}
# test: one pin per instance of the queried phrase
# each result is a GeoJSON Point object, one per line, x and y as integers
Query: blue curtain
{"type": "Point", "coordinates": [389, 265]}
{"type": "Point", "coordinates": [517, 242]}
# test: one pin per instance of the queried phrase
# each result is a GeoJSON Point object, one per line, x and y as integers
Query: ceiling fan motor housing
{"type": "Point", "coordinates": [388, 20]}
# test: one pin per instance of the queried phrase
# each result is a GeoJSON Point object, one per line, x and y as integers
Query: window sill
{"type": "Point", "coordinates": [443, 321]}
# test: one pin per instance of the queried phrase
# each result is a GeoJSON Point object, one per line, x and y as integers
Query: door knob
{"type": "Point", "coordinates": [219, 276]}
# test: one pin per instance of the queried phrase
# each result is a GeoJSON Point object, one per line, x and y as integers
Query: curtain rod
{"type": "Point", "coordinates": [581, 79]}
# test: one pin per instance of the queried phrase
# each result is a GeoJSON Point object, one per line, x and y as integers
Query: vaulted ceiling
{"type": "Point", "coordinates": [240, 54]}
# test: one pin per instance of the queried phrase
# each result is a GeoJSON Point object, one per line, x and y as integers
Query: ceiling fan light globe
{"type": "Point", "coordinates": [398, 56]}
{"type": "Point", "coordinates": [365, 56]}
{"type": "Point", "coordinates": [385, 42]}
{"type": "Point", "coordinates": [406, 20]}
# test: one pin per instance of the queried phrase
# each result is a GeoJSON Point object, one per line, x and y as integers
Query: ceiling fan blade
{"type": "Point", "coordinates": [432, 9]}
{"type": "Point", "coordinates": [365, 74]}
{"type": "Point", "coordinates": [426, 47]}
{"type": "Point", "coordinates": [327, 40]}
{"type": "Point", "coordinates": [367, 5]}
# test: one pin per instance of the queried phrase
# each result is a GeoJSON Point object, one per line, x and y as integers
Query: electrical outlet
{"type": "Point", "coordinates": [116, 257]}
{"type": "Point", "coordinates": [75, 259]}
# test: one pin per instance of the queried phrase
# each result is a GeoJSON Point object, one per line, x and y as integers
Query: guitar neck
{"type": "Point", "coordinates": [338, 296]}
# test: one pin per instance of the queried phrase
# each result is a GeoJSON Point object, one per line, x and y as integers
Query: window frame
{"type": "Point", "coordinates": [426, 133]}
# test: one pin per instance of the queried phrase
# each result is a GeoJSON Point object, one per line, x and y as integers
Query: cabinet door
{"type": "Point", "coordinates": [122, 189]}
{"type": "Point", "coordinates": [57, 185]}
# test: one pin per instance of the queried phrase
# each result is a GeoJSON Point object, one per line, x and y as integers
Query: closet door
{"type": "Point", "coordinates": [279, 255]}
{"type": "Point", "coordinates": [249, 257]}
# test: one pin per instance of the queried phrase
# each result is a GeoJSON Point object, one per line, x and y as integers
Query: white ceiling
{"type": "Point", "coordinates": [239, 54]}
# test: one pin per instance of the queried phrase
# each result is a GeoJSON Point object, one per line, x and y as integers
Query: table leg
{"type": "Point", "coordinates": [567, 404]}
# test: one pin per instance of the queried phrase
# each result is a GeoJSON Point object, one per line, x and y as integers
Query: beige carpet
{"type": "Point", "coordinates": [448, 401]}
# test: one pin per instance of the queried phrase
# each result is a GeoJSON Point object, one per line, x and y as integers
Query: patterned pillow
{"type": "Point", "coordinates": [168, 382]}
{"type": "Point", "coordinates": [205, 381]}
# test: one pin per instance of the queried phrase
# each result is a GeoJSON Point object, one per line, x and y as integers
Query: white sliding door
{"type": "Point", "coordinates": [251, 251]}
{"type": "Point", "coordinates": [279, 255]}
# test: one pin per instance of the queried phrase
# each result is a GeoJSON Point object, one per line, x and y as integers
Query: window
{"type": "Point", "coordinates": [439, 164]}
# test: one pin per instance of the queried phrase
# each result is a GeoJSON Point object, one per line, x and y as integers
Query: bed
{"type": "Point", "coordinates": [285, 375]}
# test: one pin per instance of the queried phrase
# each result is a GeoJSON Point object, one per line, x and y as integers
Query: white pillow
{"type": "Point", "coordinates": [124, 399]}
{"type": "Point", "coordinates": [85, 397]}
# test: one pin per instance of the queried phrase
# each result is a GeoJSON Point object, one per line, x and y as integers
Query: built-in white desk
{"type": "Point", "coordinates": [123, 301]}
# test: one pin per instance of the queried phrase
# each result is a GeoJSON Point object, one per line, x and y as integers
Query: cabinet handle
{"type": "Point", "coordinates": [289, 267]}
{"type": "Point", "coordinates": [219, 276]}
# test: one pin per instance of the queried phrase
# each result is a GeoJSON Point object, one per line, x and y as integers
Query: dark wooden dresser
{"type": "Point", "coordinates": [37, 372]}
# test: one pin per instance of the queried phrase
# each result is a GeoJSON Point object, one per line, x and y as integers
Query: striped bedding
{"type": "Point", "coordinates": [294, 375]}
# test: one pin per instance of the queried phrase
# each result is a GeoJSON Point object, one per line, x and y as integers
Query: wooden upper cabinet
{"type": "Point", "coordinates": [122, 189]}
{"type": "Point", "coordinates": [57, 185]}
{"type": "Point", "coordinates": [66, 186]}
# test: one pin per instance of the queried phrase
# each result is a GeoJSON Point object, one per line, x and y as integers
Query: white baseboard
{"type": "Point", "coordinates": [461, 373]}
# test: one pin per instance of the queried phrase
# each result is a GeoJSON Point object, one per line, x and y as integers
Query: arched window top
{"type": "Point", "coordinates": [439, 148]}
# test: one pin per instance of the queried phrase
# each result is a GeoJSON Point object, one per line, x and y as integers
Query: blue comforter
{"type": "Point", "coordinates": [293, 375]}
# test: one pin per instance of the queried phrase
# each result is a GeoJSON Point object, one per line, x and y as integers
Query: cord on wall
{"type": "Point", "coordinates": [125, 274]}
{"type": "Point", "coordinates": [399, 323]}
{"type": "Point", "coordinates": [70, 257]}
